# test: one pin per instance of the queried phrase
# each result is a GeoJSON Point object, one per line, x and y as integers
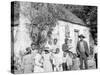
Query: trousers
{"type": "Point", "coordinates": [83, 60]}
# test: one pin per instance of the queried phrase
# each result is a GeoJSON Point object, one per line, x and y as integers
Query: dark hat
{"type": "Point", "coordinates": [66, 39]}
{"type": "Point", "coordinates": [28, 49]}
{"type": "Point", "coordinates": [33, 43]}
{"type": "Point", "coordinates": [47, 51]}
{"type": "Point", "coordinates": [81, 35]}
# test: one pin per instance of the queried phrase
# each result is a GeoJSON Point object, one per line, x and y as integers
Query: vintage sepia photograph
{"type": "Point", "coordinates": [50, 37]}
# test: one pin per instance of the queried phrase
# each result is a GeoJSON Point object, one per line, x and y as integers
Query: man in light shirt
{"type": "Point", "coordinates": [82, 51]}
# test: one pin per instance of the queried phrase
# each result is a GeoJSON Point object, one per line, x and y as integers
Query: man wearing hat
{"type": "Point", "coordinates": [82, 51]}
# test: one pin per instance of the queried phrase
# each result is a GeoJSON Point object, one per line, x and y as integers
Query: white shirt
{"type": "Point", "coordinates": [57, 60]}
{"type": "Point", "coordinates": [46, 63]}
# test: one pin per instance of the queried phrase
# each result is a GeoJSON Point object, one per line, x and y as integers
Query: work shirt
{"type": "Point", "coordinates": [82, 46]}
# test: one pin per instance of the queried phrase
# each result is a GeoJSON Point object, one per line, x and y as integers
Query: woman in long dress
{"type": "Point", "coordinates": [38, 67]}
{"type": "Point", "coordinates": [28, 62]}
{"type": "Point", "coordinates": [47, 61]}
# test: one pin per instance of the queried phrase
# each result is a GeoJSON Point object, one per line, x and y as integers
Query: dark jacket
{"type": "Point", "coordinates": [78, 49]}
{"type": "Point", "coordinates": [64, 47]}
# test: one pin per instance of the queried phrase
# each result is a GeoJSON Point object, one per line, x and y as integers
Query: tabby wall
{"type": "Point", "coordinates": [72, 31]}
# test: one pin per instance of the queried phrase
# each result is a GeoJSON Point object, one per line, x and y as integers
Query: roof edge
{"type": "Point", "coordinates": [74, 22]}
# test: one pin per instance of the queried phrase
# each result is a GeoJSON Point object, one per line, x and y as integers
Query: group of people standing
{"type": "Point", "coordinates": [47, 59]}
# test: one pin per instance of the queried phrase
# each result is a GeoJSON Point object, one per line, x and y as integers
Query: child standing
{"type": "Point", "coordinates": [57, 60]}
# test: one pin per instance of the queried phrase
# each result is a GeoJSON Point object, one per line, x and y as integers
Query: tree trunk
{"type": "Point", "coordinates": [22, 39]}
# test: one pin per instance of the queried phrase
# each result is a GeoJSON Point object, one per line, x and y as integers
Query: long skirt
{"type": "Point", "coordinates": [28, 68]}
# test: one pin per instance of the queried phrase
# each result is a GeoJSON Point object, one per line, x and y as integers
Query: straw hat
{"type": "Point", "coordinates": [81, 35]}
